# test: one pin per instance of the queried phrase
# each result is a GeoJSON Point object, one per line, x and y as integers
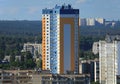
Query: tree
{"type": "Point", "coordinates": [39, 63]}
{"type": "Point", "coordinates": [28, 55]}
{"type": "Point", "coordinates": [1, 54]}
{"type": "Point", "coordinates": [12, 59]}
{"type": "Point", "coordinates": [22, 57]}
{"type": "Point", "coordinates": [30, 64]}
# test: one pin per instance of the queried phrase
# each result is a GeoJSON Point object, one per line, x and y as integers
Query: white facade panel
{"type": "Point", "coordinates": [47, 19]}
{"type": "Point", "coordinates": [109, 55]}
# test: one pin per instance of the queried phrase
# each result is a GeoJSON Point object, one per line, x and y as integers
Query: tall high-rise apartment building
{"type": "Point", "coordinates": [60, 43]}
{"type": "Point", "coordinates": [109, 58]}
{"type": "Point", "coordinates": [92, 21]}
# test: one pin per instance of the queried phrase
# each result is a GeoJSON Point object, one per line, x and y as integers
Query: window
{"type": "Point", "coordinates": [55, 52]}
{"type": "Point", "coordinates": [50, 11]}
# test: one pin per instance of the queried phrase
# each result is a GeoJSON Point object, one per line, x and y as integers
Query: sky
{"type": "Point", "coordinates": [32, 9]}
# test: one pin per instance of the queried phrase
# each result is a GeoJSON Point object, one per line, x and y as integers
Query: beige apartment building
{"type": "Point", "coordinates": [41, 77]}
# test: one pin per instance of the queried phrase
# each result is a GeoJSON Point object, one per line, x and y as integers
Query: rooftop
{"type": "Point", "coordinates": [111, 38]}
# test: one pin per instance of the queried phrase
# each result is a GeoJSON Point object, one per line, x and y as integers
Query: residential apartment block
{"type": "Point", "coordinates": [34, 48]}
{"type": "Point", "coordinates": [92, 21]}
{"type": "Point", "coordinates": [36, 77]}
{"type": "Point", "coordinates": [60, 33]}
{"type": "Point", "coordinates": [109, 58]}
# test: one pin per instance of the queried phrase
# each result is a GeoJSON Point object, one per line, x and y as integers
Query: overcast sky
{"type": "Point", "coordinates": [32, 9]}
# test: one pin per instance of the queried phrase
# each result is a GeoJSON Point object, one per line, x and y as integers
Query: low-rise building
{"type": "Point", "coordinates": [33, 48]}
{"type": "Point", "coordinates": [6, 77]}
{"type": "Point", "coordinates": [90, 67]}
{"type": "Point", "coordinates": [7, 58]}
{"type": "Point", "coordinates": [41, 77]}
{"type": "Point", "coordinates": [95, 48]}
{"type": "Point", "coordinates": [16, 77]}
{"type": "Point", "coordinates": [61, 79]}
{"type": "Point", "coordinates": [18, 57]}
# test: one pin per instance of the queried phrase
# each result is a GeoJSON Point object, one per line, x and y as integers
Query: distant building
{"type": "Point", "coordinates": [60, 39]}
{"type": "Point", "coordinates": [7, 58]}
{"type": "Point", "coordinates": [110, 23]}
{"type": "Point", "coordinates": [90, 67]}
{"type": "Point", "coordinates": [83, 22]}
{"type": "Point", "coordinates": [95, 48]}
{"type": "Point", "coordinates": [17, 58]}
{"type": "Point", "coordinates": [34, 48]}
{"type": "Point", "coordinates": [92, 21]}
{"type": "Point", "coordinates": [100, 21]}
{"type": "Point", "coordinates": [109, 58]}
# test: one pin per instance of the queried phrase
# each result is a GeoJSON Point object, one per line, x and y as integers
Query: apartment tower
{"type": "Point", "coordinates": [109, 58]}
{"type": "Point", "coordinates": [60, 39]}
